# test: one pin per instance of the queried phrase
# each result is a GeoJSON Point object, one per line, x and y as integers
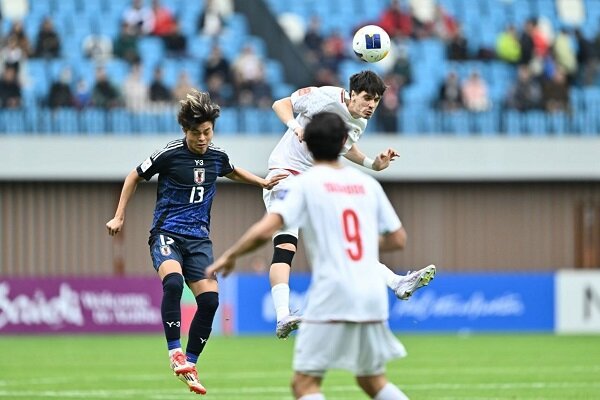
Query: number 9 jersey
{"type": "Point", "coordinates": [186, 187]}
{"type": "Point", "coordinates": [341, 212]}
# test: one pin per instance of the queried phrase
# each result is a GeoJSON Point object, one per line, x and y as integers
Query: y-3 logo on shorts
{"type": "Point", "coordinates": [165, 241]}
{"type": "Point", "coordinates": [175, 323]}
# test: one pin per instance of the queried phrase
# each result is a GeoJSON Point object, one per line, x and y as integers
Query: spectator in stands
{"type": "Point", "coordinates": [82, 96]}
{"type": "Point", "coordinates": [211, 20]}
{"type": "Point", "coordinates": [475, 93]}
{"type": "Point", "coordinates": [48, 42]}
{"type": "Point", "coordinates": [216, 64]}
{"type": "Point", "coordinates": [139, 17]}
{"type": "Point", "coordinates": [556, 92]}
{"type": "Point", "coordinates": [402, 69]}
{"type": "Point", "coordinates": [247, 69]}
{"type": "Point", "coordinates": [508, 47]}
{"type": "Point", "coordinates": [443, 25]}
{"type": "Point", "coordinates": [564, 54]}
{"type": "Point", "coordinates": [330, 58]}
{"type": "Point", "coordinates": [159, 92]}
{"type": "Point", "coordinates": [10, 89]}
{"type": "Point", "coordinates": [450, 94]}
{"type": "Point", "coordinates": [182, 86]}
{"type": "Point", "coordinates": [456, 47]}
{"type": "Point", "coordinates": [135, 90]}
{"type": "Point", "coordinates": [313, 40]}
{"type": "Point", "coordinates": [260, 93]}
{"type": "Point", "coordinates": [18, 33]}
{"type": "Point", "coordinates": [396, 22]}
{"type": "Point", "coordinates": [526, 93]}
{"type": "Point", "coordinates": [585, 59]}
{"type": "Point", "coordinates": [337, 44]}
{"type": "Point", "coordinates": [389, 105]}
{"type": "Point", "coordinates": [526, 41]}
{"type": "Point", "coordinates": [126, 44]}
{"type": "Point", "coordinates": [60, 94]}
{"type": "Point", "coordinates": [220, 92]}
{"type": "Point", "coordinates": [12, 55]}
{"type": "Point", "coordinates": [164, 22]}
{"type": "Point", "coordinates": [325, 77]}
{"type": "Point", "coordinates": [175, 42]}
{"type": "Point", "coordinates": [104, 93]}
{"type": "Point", "coordinates": [97, 47]}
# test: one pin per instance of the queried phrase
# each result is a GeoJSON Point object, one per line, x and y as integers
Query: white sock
{"type": "Point", "coordinates": [281, 300]}
{"type": "Point", "coordinates": [390, 392]}
{"type": "Point", "coordinates": [391, 279]}
{"type": "Point", "coordinates": [174, 350]}
{"type": "Point", "coordinates": [313, 396]}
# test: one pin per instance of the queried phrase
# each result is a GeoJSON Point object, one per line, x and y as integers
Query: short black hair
{"type": "Point", "coordinates": [197, 108]}
{"type": "Point", "coordinates": [367, 81]}
{"type": "Point", "coordinates": [325, 136]}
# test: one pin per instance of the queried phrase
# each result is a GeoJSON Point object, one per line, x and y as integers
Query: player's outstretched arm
{"type": "Point", "coordinates": [243, 176]}
{"type": "Point", "coordinates": [256, 236]}
{"type": "Point", "coordinates": [393, 241]}
{"type": "Point", "coordinates": [383, 159]}
{"type": "Point", "coordinates": [285, 112]}
{"type": "Point", "coordinates": [115, 225]}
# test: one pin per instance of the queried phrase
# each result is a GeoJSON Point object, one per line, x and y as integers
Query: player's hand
{"type": "Point", "coordinates": [273, 181]}
{"type": "Point", "coordinates": [383, 159]}
{"type": "Point", "coordinates": [223, 264]}
{"type": "Point", "coordinates": [299, 133]}
{"type": "Point", "coordinates": [114, 226]}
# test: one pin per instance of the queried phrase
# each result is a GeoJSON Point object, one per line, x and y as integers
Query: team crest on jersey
{"type": "Point", "coordinates": [199, 175]}
{"type": "Point", "coordinates": [165, 250]}
{"type": "Point", "coordinates": [280, 194]}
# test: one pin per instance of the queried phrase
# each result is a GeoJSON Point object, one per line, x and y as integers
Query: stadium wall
{"type": "Point", "coordinates": [58, 228]}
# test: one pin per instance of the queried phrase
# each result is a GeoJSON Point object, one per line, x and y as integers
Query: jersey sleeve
{"type": "Point", "coordinates": [226, 166]}
{"type": "Point", "coordinates": [152, 165]}
{"type": "Point", "coordinates": [387, 219]}
{"type": "Point", "coordinates": [304, 100]}
{"type": "Point", "coordinates": [291, 205]}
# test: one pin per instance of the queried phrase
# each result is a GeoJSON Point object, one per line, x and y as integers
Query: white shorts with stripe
{"type": "Point", "coordinates": [271, 195]}
{"type": "Point", "coordinates": [362, 348]}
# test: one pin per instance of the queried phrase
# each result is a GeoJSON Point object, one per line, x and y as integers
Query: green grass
{"type": "Point", "coordinates": [259, 368]}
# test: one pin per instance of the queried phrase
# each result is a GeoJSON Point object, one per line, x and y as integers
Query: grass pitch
{"type": "Point", "coordinates": [259, 368]}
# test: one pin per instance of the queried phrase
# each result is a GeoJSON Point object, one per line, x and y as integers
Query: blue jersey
{"type": "Point", "coordinates": [186, 187]}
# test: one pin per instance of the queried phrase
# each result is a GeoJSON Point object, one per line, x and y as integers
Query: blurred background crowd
{"type": "Point", "coordinates": [456, 66]}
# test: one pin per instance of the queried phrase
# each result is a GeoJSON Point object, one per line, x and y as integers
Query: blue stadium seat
{"type": "Point", "coordinates": [13, 121]}
{"type": "Point", "coordinates": [228, 122]}
{"type": "Point", "coordinates": [535, 123]}
{"type": "Point", "coordinates": [65, 121]}
{"type": "Point", "coordinates": [119, 122]}
{"type": "Point", "coordinates": [93, 120]}
{"type": "Point", "coordinates": [512, 123]}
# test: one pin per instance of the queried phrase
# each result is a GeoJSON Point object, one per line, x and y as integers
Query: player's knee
{"type": "Point", "coordinates": [283, 256]}
{"type": "Point", "coordinates": [285, 241]}
{"type": "Point", "coordinates": [173, 284]}
{"type": "Point", "coordinates": [208, 302]}
{"type": "Point", "coordinates": [284, 249]}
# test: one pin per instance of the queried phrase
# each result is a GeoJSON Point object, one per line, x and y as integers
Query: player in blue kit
{"type": "Point", "coordinates": [179, 241]}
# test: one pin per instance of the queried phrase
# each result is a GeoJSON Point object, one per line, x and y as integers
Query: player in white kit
{"type": "Point", "coordinates": [346, 219]}
{"type": "Point", "coordinates": [292, 156]}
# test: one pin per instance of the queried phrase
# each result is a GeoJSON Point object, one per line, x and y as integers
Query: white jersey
{"type": "Point", "coordinates": [290, 153]}
{"type": "Point", "coordinates": [341, 212]}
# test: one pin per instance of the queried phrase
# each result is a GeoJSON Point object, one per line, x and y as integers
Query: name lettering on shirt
{"type": "Point", "coordinates": [352, 189]}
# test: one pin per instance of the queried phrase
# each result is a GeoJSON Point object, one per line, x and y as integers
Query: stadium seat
{"type": "Point", "coordinates": [93, 120]}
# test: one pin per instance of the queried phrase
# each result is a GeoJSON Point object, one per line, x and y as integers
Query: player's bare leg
{"type": "Point", "coordinates": [377, 387]}
{"type": "Point", "coordinates": [306, 387]}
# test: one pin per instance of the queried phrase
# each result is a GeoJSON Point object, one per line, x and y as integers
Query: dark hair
{"type": "Point", "coordinates": [196, 109]}
{"type": "Point", "coordinates": [367, 81]}
{"type": "Point", "coordinates": [325, 136]}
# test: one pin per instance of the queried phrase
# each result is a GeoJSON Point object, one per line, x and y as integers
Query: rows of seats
{"type": "Point", "coordinates": [414, 121]}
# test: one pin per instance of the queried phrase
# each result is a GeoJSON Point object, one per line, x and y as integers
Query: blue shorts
{"type": "Point", "coordinates": [194, 255]}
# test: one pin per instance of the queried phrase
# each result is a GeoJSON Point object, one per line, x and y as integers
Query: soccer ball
{"type": "Point", "coordinates": [371, 43]}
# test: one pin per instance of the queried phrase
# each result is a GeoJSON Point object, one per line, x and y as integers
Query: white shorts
{"type": "Point", "coordinates": [270, 195]}
{"type": "Point", "coordinates": [362, 348]}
